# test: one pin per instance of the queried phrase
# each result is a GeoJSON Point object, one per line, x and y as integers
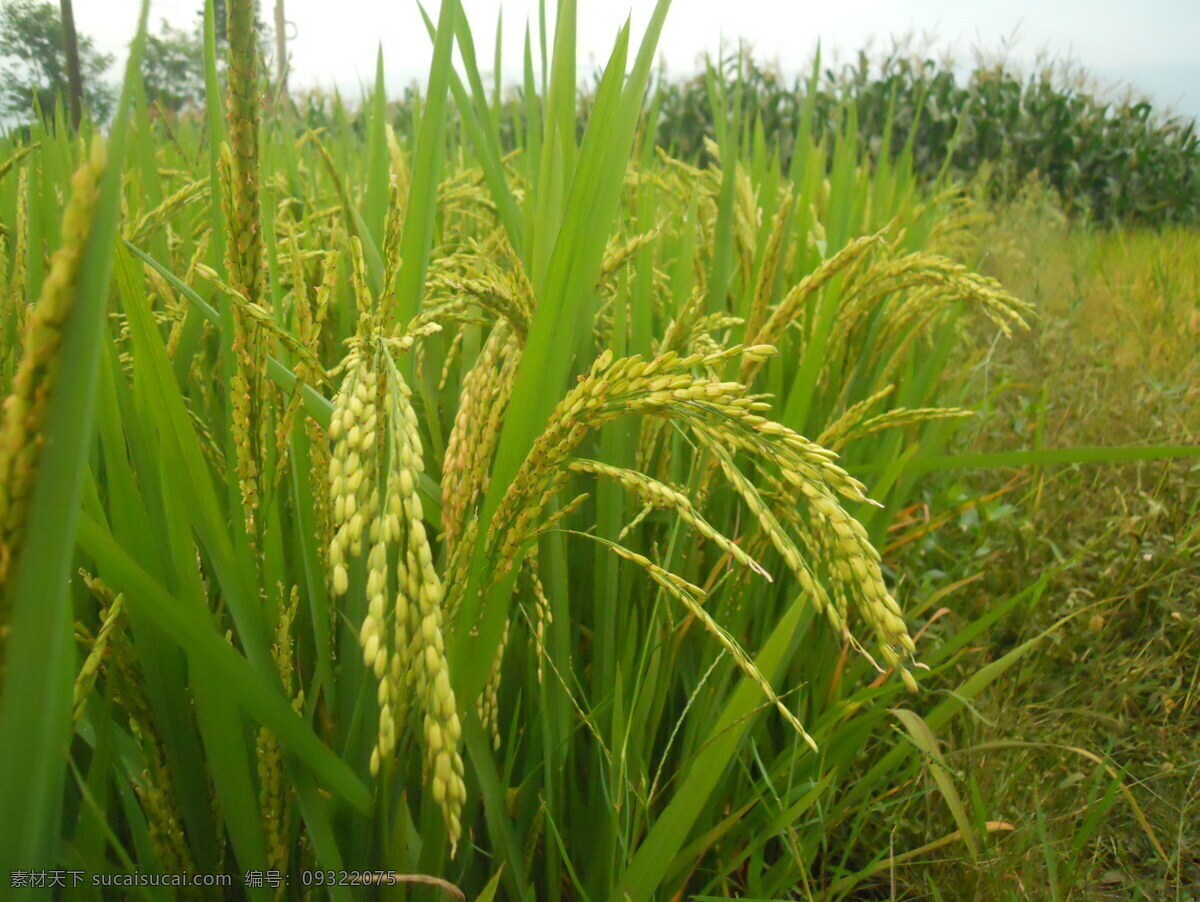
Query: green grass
{"type": "Point", "coordinates": [1101, 718]}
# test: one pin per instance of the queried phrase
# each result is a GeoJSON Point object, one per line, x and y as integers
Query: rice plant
{"type": "Point", "coordinates": [393, 503]}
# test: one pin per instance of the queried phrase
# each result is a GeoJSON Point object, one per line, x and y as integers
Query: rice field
{"type": "Point", "coordinates": [507, 508]}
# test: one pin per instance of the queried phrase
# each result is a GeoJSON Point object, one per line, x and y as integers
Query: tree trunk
{"type": "Point", "coordinates": [281, 60]}
{"type": "Point", "coordinates": [74, 79]}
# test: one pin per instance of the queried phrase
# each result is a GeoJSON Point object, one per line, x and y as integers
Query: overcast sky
{"type": "Point", "coordinates": [1151, 44]}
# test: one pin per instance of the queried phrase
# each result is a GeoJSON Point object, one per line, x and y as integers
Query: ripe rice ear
{"type": "Point", "coordinates": [25, 407]}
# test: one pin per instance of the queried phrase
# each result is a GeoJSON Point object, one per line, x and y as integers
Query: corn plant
{"type": "Point", "coordinates": [1114, 159]}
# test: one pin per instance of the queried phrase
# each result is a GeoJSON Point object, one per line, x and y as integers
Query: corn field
{"type": "Point", "coordinates": [488, 511]}
{"type": "Point", "coordinates": [1112, 157]}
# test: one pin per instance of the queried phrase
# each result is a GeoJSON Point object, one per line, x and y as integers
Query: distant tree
{"type": "Point", "coordinates": [173, 67]}
{"type": "Point", "coordinates": [34, 68]}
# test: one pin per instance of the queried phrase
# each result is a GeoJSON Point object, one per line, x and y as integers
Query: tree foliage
{"type": "Point", "coordinates": [173, 67]}
{"type": "Point", "coordinates": [33, 74]}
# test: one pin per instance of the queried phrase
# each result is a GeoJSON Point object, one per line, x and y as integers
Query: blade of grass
{"type": "Point", "coordinates": [196, 636]}
{"type": "Point", "coordinates": [35, 708]}
{"type": "Point", "coordinates": [427, 170]}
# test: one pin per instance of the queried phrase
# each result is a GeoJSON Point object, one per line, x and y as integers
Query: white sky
{"type": "Point", "coordinates": [1152, 44]}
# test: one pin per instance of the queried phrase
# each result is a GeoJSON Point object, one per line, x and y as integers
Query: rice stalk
{"type": "Point", "coordinates": [245, 254]}
{"type": "Point", "coordinates": [85, 681]}
{"type": "Point", "coordinates": [24, 409]}
{"type": "Point", "coordinates": [275, 798]}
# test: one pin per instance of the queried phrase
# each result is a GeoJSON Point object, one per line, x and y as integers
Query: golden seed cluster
{"type": "Point", "coordinates": [422, 595]}
{"type": "Point", "coordinates": [376, 438]}
{"type": "Point", "coordinates": [25, 407]}
{"type": "Point", "coordinates": [476, 431]}
{"type": "Point", "coordinates": [353, 491]}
